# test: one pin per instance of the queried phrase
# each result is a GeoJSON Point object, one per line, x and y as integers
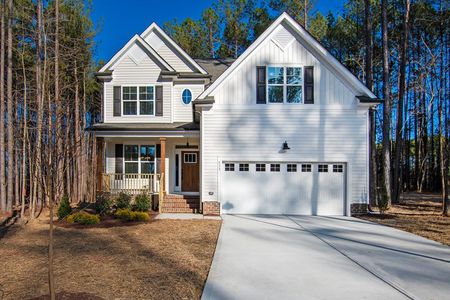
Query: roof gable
{"type": "Point", "coordinates": [161, 35]}
{"type": "Point", "coordinates": [136, 55]}
{"type": "Point", "coordinates": [281, 37]}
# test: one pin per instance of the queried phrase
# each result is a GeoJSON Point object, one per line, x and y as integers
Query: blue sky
{"type": "Point", "coordinates": [117, 21]}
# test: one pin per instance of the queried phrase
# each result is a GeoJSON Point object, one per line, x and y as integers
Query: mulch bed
{"type": "Point", "coordinates": [418, 213]}
{"type": "Point", "coordinates": [106, 222]}
{"type": "Point", "coordinates": [161, 259]}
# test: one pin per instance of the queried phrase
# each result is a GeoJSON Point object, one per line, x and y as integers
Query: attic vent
{"type": "Point", "coordinates": [283, 38]}
{"type": "Point", "coordinates": [136, 54]}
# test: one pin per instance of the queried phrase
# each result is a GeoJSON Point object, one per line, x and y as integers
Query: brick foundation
{"type": "Point", "coordinates": [358, 209]}
{"type": "Point", "coordinates": [211, 208]}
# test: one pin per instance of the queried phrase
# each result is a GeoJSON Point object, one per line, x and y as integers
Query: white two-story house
{"type": "Point", "coordinates": [281, 130]}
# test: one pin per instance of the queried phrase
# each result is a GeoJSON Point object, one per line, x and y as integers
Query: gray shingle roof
{"type": "Point", "coordinates": [215, 66]}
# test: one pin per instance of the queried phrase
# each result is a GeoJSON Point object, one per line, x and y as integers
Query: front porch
{"type": "Point", "coordinates": [167, 167]}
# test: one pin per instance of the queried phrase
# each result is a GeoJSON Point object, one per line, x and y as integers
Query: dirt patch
{"type": "Point", "coordinates": [418, 213]}
{"type": "Point", "coordinates": [70, 296]}
{"type": "Point", "coordinates": [163, 259]}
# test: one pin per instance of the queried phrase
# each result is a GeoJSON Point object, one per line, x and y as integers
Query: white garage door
{"type": "Point", "coordinates": [283, 188]}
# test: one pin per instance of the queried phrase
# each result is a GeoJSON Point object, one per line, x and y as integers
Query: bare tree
{"type": "Point", "coordinates": [387, 104]}
{"type": "Point", "coordinates": [10, 104]}
{"type": "Point", "coordinates": [2, 111]}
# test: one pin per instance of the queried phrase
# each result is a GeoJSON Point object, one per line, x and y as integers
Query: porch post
{"type": "Point", "coordinates": [162, 141]}
{"type": "Point", "coordinates": [99, 158]}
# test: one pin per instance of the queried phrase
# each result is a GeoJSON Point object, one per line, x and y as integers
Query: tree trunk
{"type": "Point", "coordinates": [10, 104]}
{"type": "Point", "coordinates": [387, 105]}
{"type": "Point", "coordinates": [2, 112]}
{"type": "Point", "coordinates": [77, 136]}
{"type": "Point", "coordinates": [40, 112]}
{"type": "Point", "coordinates": [401, 94]}
{"type": "Point", "coordinates": [59, 112]}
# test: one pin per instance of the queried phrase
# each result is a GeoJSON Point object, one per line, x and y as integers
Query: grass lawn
{"type": "Point", "coordinates": [163, 259]}
{"type": "Point", "coordinates": [419, 213]}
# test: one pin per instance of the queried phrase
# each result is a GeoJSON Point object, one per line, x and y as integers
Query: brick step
{"type": "Point", "coordinates": [181, 197]}
{"type": "Point", "coordinates": [179, 210]}
{"type": "Point", "coordinates": [180, 205]}
{"type": "Point", "coordinates": [184, 201]}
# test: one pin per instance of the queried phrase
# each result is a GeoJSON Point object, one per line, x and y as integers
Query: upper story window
{"type": "Point", "coordinates": [186, 96]}
{"type": "Point", "coordinates": [138, 103]}
{"type": "Point", "coordinates": [284, 85]}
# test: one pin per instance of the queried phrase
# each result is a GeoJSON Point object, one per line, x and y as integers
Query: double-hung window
{"type": "Point", "coordinates": [138, 100]}
{"type": "Point", "coordinates": [129, 98]}
{"type": "Point", "coordinates": [139, 159]}
{"type": "Point", "coordinates": [284, 85]}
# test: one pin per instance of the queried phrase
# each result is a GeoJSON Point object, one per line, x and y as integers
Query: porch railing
{"type": "Point", "coordinates": [133, 184]}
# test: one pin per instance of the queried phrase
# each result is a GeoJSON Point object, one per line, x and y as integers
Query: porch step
{"type": "Point", "coordinates": [180, 204]}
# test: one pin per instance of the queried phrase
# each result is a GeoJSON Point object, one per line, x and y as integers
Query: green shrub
{"type": "Point", "coordinates": [64, 208]}
{"type": "Point", "coordinates": [83, 218]}
{"type": "Point", "coordinates": [123, 201]}
{"type": "Point", "coordinates": [103, 204]}
{"type": "Point", "coordinates": [142, 202]}
{"type": "Point", "coordinates": [128, 215]}
{"type": "Point", "coordinates": [140, 216]}
{"type": "Point", "coordinates": [123, 214]}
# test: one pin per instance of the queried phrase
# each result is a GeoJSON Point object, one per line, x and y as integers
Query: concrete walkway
{"type": "Point", "coordinates": [170, 216]}
{"type": "Point", "coordinates": [301, 257]}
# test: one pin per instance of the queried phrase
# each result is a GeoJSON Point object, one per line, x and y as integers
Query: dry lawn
{"type": "Point", "coordinates": [164, 259]}
{"type": "Point", "coordinates": [418, 213]}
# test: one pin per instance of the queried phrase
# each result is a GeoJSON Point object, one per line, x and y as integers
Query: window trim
{"type": "Point", "coordinates": [139, 158]}
{"type": "Point", "coordinates": [181, 97]}
{"type": "Point", "coordinates": [285, 84]}
{"type": "Point", "coordinates": [138, 100]}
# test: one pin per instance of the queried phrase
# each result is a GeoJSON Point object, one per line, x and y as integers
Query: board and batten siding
{"type": "Point", "coordinates": [183, 112]}
{"type": "Point", "coordinates": [240, 87]}
{"type": "Point", "coordinates": [314, 134]}
{"type": "Point", "coordinates": [146, 72]}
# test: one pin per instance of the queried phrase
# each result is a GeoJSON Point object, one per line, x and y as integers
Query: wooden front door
{"type": "Point", "coordinates": [190, 171]}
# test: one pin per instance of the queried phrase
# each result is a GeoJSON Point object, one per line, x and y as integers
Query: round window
{"type": "Point", "coordinates": [186, 96]}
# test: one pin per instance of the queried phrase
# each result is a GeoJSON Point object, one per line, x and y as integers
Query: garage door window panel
{"type": "Point", "coordinates": [323, 168]}
{"type": "Point", "coordinates": [243, 167]}
{"type": "Point", "coordinates": [274, 167]}
{"type": "Point", "coordinates": [229, 167]}
{"type": "Point", "coordinates": [338, 168]}
{"type": "Point", "coordinates": [291, 168]}
{"type": "Point", "coordinates": [260, 167]}
{"type": "Point", "coordinates": [306, 168]}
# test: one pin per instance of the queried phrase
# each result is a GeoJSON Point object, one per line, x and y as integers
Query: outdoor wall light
{"type": "Point", "coordinates": [285, 146]}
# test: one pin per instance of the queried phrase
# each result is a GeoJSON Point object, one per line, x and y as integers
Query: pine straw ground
{"type": "Point", "coordinates": [163, 259]}
{"type": "Point", "coordinates": [418, 213]}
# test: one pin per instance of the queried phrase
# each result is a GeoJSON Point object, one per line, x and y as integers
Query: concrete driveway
{"type": "Point", "coordinates": [302, 257]}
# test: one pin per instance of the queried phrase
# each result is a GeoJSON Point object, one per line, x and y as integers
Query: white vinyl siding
{"type": "Point", "coordinates": [173, 59]}
{"type": "Point", "coordinates": [128, 73]}
{"type": "Point", "coordinates": [314, 134]}
{"type": "Point", "coordinates": [240, 87]}
{"type": "Point", "coordinates": [183, 112]}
